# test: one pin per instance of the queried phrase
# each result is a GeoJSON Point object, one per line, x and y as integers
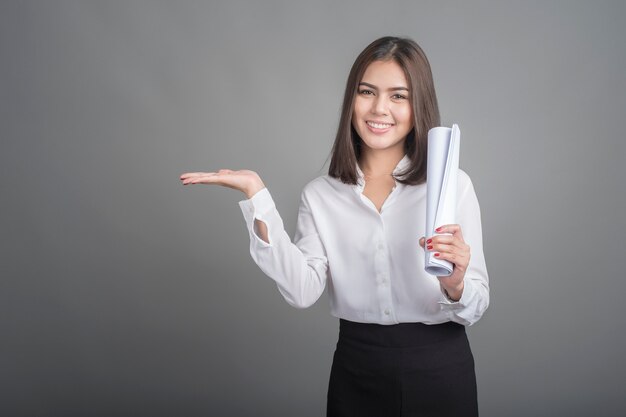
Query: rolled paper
{"type": "Point", "coordinates": [442, 171]}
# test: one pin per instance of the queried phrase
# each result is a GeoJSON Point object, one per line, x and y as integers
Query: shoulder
{"type": "Point", "coordinates": [464, 182]}
{"type": "Point", "coordinates": [320, 186]}
{"type": "Point", "coordinates": [465, 188]}
{"type": "Point", "coordinates": [316, 183]}
{"type": "Point", "coordinates": [323, 188]}
{"type": "Point", "coordinates": [463, 177]}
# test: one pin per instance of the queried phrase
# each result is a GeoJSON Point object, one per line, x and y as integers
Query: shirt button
{"type": "Point", "coordinates": [381, 246]}
{"type": "Point", "coordinates": [387, 312]}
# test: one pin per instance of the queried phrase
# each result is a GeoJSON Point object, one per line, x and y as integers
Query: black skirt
{"type": "Point", "coordinates": [406, 369]}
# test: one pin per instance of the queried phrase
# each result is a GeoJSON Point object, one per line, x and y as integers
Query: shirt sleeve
{"type": "Point", "coordinates": [299, 269]}
{"type": "Point", "coordinates": [475, 298]}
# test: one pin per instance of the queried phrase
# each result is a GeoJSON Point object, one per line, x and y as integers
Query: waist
{"type": "Point", "coordinates": [398, 335]}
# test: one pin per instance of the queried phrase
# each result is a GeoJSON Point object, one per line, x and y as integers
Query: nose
{"type": "Point", "coordinates": [380, 106]}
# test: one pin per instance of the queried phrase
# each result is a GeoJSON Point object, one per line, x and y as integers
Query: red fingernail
{"type": "Point", "coordinates": [429, 240]}
{"type": "Point", "coordinates": [437, 254]}
{"type": "Point", "coordinates": [429, 247]}
{"type": "Point", "coordinates": [438, 229]}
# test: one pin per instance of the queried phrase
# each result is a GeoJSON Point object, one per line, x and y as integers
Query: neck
{"type": "Point", "coordinates": [380, 163]}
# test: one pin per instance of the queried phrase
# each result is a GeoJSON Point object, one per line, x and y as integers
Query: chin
{"type": "Point", "coordinates": [380, 144]}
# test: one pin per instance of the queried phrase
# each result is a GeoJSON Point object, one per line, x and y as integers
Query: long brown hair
{"type": "Point", "coordinates": [346, 150]}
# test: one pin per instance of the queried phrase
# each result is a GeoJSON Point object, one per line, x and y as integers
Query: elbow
{"type": "Point", "coordinates": [299, 301]}
{"type": "Point", "coordinates": [480, 310]}
{"type": "Point", "coordinates": [484, 302]}
{"type": "Point", "coordinates": [306, 291]}
{"type": "Point", "coordinates": [300, 304]}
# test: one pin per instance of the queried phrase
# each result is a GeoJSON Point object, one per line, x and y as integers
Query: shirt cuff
{"type": "Point", "coordinates": [448, 304]}
{"type": "Point", "coordinates": [259, 206]}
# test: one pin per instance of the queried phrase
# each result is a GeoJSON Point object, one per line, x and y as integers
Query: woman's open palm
{"type": "Point", "coordinates": [243, 180]}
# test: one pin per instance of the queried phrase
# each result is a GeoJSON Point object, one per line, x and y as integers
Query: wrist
{"type": "Point", "coordinates": [253, 190]}
{"type": "Point", "coordinates": [454, 293]}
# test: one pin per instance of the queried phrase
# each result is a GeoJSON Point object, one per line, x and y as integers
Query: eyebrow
{"type": "Point", "coordinates": [376, 88]}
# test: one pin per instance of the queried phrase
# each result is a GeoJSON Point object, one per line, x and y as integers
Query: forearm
{"type": "Point", "coordinates": [260, 228]}
{"type": "Point", "coordinates": [299, 269]}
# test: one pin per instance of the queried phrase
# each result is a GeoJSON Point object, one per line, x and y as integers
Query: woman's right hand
{"type": "Point", "coordinates": [243, 180]}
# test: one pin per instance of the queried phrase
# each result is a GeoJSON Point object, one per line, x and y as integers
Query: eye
{"type": "Point", "coordinates": [398, 97]}
{"type": "Point", "coordinates": [366, 92]}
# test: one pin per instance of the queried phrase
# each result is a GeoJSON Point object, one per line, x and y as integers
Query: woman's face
{"type": "Point", "coordinates": [383, 115]}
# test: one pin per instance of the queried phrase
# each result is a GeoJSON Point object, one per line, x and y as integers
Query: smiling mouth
{"type": "Point", "coordinates": [379, 125]}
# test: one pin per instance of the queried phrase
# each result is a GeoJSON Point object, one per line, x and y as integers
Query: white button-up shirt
{"type": "Point", "coordinates": [371, 262]}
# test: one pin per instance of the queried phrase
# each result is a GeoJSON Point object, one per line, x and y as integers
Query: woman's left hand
{"type": "Point", "coordinates": [454, 249]}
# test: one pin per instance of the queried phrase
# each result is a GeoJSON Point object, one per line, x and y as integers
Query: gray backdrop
{"type": "Point", "coordinates": [123, 292]}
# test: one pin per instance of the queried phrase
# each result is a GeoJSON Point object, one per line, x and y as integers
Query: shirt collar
{"type": "Point", "coordinates": [404, 163]}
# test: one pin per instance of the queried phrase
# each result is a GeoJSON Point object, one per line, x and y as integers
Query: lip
{"type": "Point", "coordinates": [378, 130]}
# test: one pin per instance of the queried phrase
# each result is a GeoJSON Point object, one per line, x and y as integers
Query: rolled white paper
{"type": "Point", "coordinates": [442, 171]}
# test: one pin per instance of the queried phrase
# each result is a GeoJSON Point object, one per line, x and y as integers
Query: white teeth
{"type": "Point", "coordinates": [379, 125]}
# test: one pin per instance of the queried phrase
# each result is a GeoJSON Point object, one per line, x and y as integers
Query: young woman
{"type": "Point", "coordinates": [402, 348]}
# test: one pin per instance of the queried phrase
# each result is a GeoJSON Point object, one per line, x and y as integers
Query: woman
{"type": "Point", "coordinates": [402, 348]}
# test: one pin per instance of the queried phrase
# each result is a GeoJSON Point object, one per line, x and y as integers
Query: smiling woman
{"type": "Point", "coordinates": [382, 118]}
{"type": "Point", "coordinates": [402, 348]}
{"type": "Point", "coordinates": [391, 74]}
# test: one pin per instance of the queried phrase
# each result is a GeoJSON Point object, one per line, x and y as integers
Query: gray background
{"type": "Point", "coordinates": [124, 293]}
